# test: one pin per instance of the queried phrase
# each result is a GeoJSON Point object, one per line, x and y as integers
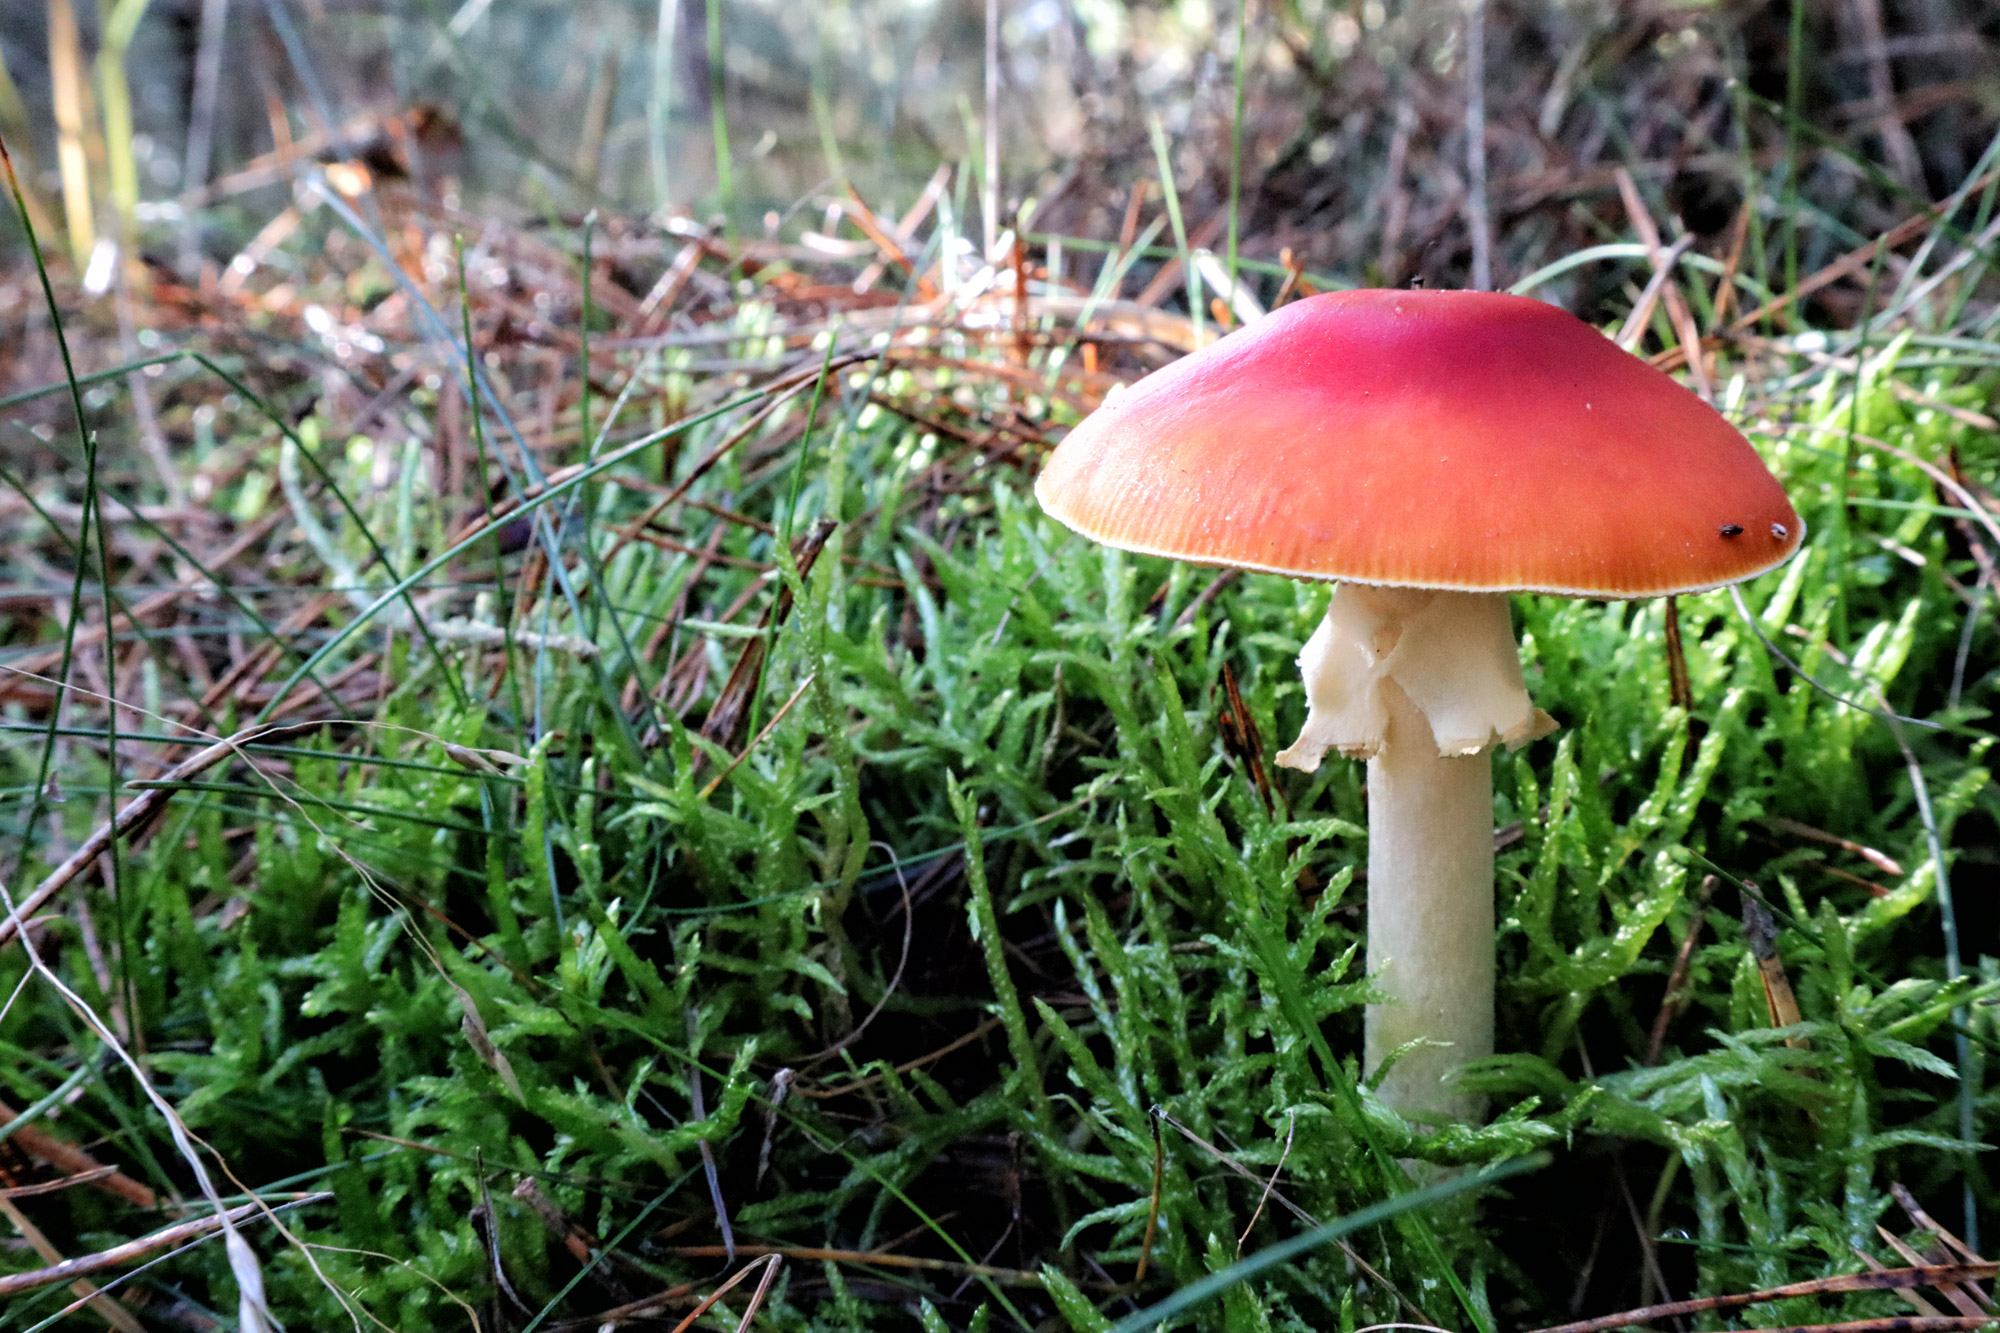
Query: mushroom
{"type": "Point", "coordinates": [1433, 451]}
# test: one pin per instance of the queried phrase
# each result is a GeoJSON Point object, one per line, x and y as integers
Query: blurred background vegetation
{"type": "Point", "coordinates": [1833, 116]}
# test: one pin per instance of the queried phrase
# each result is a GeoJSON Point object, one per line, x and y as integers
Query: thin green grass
{"type": "Point", "coordinates": [725, 165]}
{"type": "Point", "coordinates": [1163, 160]}
{"type": "Point", "coordinates": [1236, 139]}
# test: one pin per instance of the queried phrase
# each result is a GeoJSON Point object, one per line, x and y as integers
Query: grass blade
{"type": "Point", "coordinates": [1284, 1251]}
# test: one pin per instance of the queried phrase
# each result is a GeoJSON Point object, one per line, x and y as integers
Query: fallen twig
{"type": "Point", "coordinates": [139, 812]}
{"type": "Point", "coordinates": [14, 1283]}
{"type": "Point", "coordinates": [1889, 1279]}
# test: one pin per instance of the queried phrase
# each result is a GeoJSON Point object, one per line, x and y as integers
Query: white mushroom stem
{"type": "Point", "coordinates": [1430, 913]}
{"type": "Point", "coordinates": [1422, 684]}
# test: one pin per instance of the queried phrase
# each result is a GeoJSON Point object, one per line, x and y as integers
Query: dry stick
{"type": "Point", "coordinates": [877, 1258]}
{"type": "Point", "coordinates": [989, 194]}
{"type": "Point", "coordinates": [1676, 999]}
{"type": "Point", "coordinates": [1634, 329]}
{"type": "Point", "coordinates": [1679, 692]}
{"type": "Point", "coordinates": [1924, 1220]}
{"type": "Point", "coordinates": [506, 509]}
{"type": "Point", "coordinates": [83, 1167]}
{"type": "Point", "coordinates": [1017, 377]}
{"type": "Point", "coordinates": [107, 1307]}
{"type": "Point", "coordinates": [483, 1220]}
{"type": "Point", "coordinates": [1889, 1279]}
{"type": "Point", "coordinates": [67, 92]}
{"type": "Point", "coordinates": [1760, 931]}
{"type": "Point", "coordinates": [1153, 1205]}
{"type": "Point", "coordinates": [88, 635]}
{"type": "Point", "coordinates": [757, 741]}
{"type": "Point", "coordinates": [1678, 314]}
{"type": "Point", "coordinates": [135, 815]}
{"type": "Point", "coordinates": [304, 695]}
{"type": "Point", "coordinates": [1239, 736]}
{"type": "Point", "coordinates": [1014, 1193]}
{"type": "Point", "coordinates": [988, 444]}
{"type": "Point", "coordinates": [1295, 269]}
{"type": "Point", "coordinates": [673, 547]}
{"type": "Point", "coordinates": [907, 226]}
{"type": "Point", "coordinates": [670, 623]}
{"type": "Point", "coordinates": [1128, 230]}
{"type": "Point", "coordinates": [1989, 568]}
{"type": "Point", "coordinates": [239, 677]}
{"type": "Point", "coordinates": [152, 441]}
{"type": "Point", "coordinates": [895, 1243]}
{"type": "Point", "coordinates": [1291, 1126]}
{"type": "Point", "coordinates": [864, 218]}
{"type": "Point", "coordinates": [56, 1186]}
{"type": "Point", "coordinates": [658, 306]}
{"type": "Point", "coordinates": [1653, 1278]}
{"type": "Point", "coordinates": [739, 690]}
{"type": "Point", "coordinates": [1971, 626]}
{"type": "Point", "coordinates": [1960, 1299]}
{"type": "Point", "coordinates": [580, 1243]}
{"type": "Point", "coordinates": [1205, 596]}
{"type": "Point", "coordinates": [645, 1307]}
{"type": "Point", "coordinates": [1889, 1324]}
{"type": "Point", "coordinates": [118, 1255]}
{"type": "Point", "coordinates": [1478, 219]}
{"type": "Point", "coordinates": [768, 530]}
{"type": "Point", "coordinates": [756, 1297]}
{"type": "Point", "coordinates": [1024, 341]}
{"type": "Point", "coordinates": [1914, 1301]}
{"type": "Point", "coordinates": [1169, 276]}
{"type": "Point", "coordinates": [1880, 860]}
{"type": "Point", "coordinates": [1874, 889]}
{"type": "Point", "coordinates": [1951, 1242]}
{"type": "Point", "coordinates": [1725, 282]}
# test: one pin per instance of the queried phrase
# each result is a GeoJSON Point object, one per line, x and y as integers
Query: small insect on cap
{"type": "Point", "coordinates": [1432, 439]}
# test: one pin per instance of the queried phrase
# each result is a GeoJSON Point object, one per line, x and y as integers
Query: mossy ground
{"type": "Point", "coordinates": [924, 902]}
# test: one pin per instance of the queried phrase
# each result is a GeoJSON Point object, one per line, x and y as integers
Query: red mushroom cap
{"type": "Point", "coordinates": [1432, 439]}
